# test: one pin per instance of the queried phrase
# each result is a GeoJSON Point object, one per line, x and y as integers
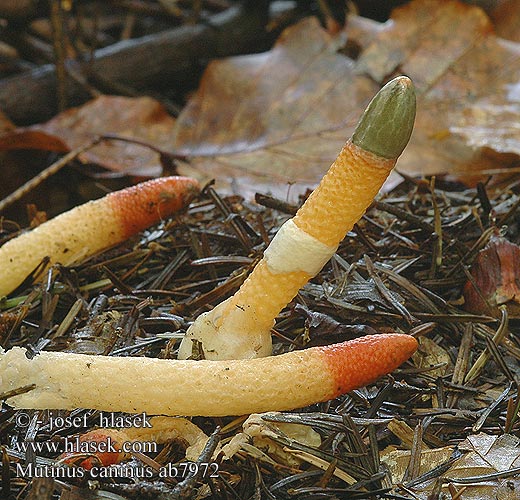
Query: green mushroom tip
{"type": "Point", "coordinates": [387, 123]}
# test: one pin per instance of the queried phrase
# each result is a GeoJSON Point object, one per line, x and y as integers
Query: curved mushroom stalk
{"type": "Point", "coordinates": [240, 326]}
{"type": "Point", "coordinates": [102, 440]}
{"type": "Point", "coordinates": [93, 226]}
{"type": "Point", "coordinates": [207, 388]}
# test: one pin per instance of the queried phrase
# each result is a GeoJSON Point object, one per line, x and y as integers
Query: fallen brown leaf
{"type": "Point", "coordinates": [466, 78]}
{"type": "Point", "coordinates": [495, 279]}
{"type": "Point", "coordinates": [483, 455]}
{"type": "Point", "coordinates": [432, 354]}
{"type": "Point", "coordinates": [271, 120]}
{"type": "Point", "coordinates": [275, 121]}
{"type": "Point", "coordinates": [141, 118]}
{"type": "Point", "coordinates": [5, 124]}
{"type": "Point", "coordinates": [506, 19]}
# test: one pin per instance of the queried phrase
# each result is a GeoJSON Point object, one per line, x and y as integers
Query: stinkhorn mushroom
{"type": "Point", "coordinates": [93, 226]}
{"type": "Point", "coordinates": [240, 327]}
{"type": "Point", "coordinates": [205, 387]}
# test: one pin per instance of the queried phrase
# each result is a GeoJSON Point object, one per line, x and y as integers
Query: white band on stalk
{"type": "Point", "coordinates": [292, 249]}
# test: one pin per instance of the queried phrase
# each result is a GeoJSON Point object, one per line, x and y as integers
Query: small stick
{"type": "Point", "coordinates": [185, 488]}
{"type": "Point", "coordinates": [270, 202]}
{"type": "Point", "coordinates": [58, 43]}
{"type": "Point", "coordinates": [45, 174]}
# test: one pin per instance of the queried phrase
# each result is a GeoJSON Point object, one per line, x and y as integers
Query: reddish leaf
{"type": "Point", "coordinates": [141, 118]}
{"type": "Point", "coordinates": [495, 278]}
{"type": "Point", "coordinates": [5, 124]}
{"type": "Point", "coordinates": [506, 19]}
{"type": "Point", "coordinates": [32, 139]}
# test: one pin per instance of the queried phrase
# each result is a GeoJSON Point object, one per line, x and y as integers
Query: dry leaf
{"type": "Point", "coordinates": [483, 454]}
{"type": "Point", "coordinates": [397, 460]}
{"type": "Point", "coordinates": [432, 354]}
{"type": "Point", "coordinates": [5, 124]}
{"type": "Point", "coordinates": [140, 118]}
{"type": "Point", "coordinates": [495, 279]}
{"type": "Point", "coordinates": [265, 122]}
{"type": "Point", "coordinates": [32, 139]}
{"type": "Point", "coordinates": [467, 79]}
{"type": "Point", "coordinates": [488, 455]}
{"type": "Point", "coordinates": [322, 325]}
{"type": "Point", "coordinates": [269, 120]}
{"type": "Point", "coordinates": [506, 19]}
{"type": "Point", "coordinates": [261, 432]}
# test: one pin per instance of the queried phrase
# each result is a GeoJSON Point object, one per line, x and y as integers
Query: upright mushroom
{"type": "Point", "coordinates": [240, 326]}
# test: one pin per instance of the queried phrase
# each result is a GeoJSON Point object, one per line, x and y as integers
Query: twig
{"type": "Point", "coordinates": [185, 487]}
{"type": "Point", "coordinates": [31, 95]}
{"type": "Point", "coordinates": [45, 174]}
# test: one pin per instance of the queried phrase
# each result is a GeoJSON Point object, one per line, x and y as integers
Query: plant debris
{"type": "Point", "coordinates": [494, 278]}
{"type": "Point", "coordinates": [389, 274]}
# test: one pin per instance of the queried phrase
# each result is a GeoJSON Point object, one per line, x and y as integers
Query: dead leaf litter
{"type": "Point", "coordinates": [390, 274]}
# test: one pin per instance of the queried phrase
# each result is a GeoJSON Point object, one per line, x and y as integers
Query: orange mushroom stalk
{"type": "Point", "coordinates": [92, 227]}
{"type": "Point", "coordinates": [240, 326]}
